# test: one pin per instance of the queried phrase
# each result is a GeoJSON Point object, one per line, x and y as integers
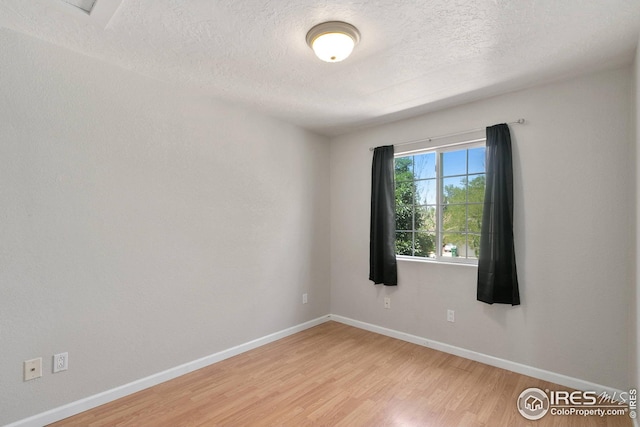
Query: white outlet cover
{"type": "Point", "coordinates": [60, 362]}
{"type": "Point", "coordinates": [32, 369]}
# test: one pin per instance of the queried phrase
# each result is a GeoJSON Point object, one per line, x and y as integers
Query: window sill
{"type": "Point", "coordinates": [433, 261]}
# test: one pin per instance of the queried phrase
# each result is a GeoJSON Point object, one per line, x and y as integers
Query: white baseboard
{"type": "Point", "coordinates": [91, 402]}
{"type": "Point", "coordinates": [519, 368]}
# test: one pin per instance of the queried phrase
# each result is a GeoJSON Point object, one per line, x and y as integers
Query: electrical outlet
{"type": "Point", "coordinates": [304, 298]}
{"type": "Point", "coordinates": [32, 369]}
{"type": "Point", "coordinates": [451, 316]}
{"type": "Point", "coordinates": [387, 302]}
{"type": "Point", "coordinates": [60, 362]}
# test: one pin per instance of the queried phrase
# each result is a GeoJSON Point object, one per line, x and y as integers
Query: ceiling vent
{"type": "Point", "coordinates": [85, 5]}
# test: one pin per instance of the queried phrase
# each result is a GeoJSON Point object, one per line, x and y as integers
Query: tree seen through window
{"type": "Point", "coordinates": [439, 201]}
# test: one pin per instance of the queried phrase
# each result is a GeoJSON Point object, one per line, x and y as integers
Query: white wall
{"type": "Point", "coordinates": [143, 227]}
{"type": "Point", "coordinates": [574, 192]}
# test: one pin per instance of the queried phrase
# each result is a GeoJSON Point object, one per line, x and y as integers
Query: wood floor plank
{"type": "Point", "coordinates": [335, 375]}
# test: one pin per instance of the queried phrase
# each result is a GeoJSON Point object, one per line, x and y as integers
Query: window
{"type": "Point", "coordinates": [439, 201]}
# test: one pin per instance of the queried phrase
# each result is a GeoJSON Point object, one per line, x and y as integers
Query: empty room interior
{"type": "Point", "coordinates": [187, 198]}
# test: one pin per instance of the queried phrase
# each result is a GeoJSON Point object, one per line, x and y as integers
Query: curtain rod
{"type": "Point", "coordinates": [519, 121]}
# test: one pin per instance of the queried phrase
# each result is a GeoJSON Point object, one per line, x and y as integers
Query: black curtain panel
{"type": "Point", "coordinates": [382, 245]}
{"type": "Point", "coordinates": [497, 277]}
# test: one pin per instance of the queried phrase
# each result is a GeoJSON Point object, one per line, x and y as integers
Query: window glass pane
{"type": "Point", "coordinates": [404, 205]}
{"type": "Point", "coordinates": [451, 244]}
{"type": "Point", "coordinates": [425, 166]}
{"type": "Point", "coordinates": [473, 249]}
{"type": "Point", "coordinates": [404, 243]}
{"type": "Point", "coordinates": [476, 188]}
{"type": "Point", "coordinates": [454, 190]}
{"type": "Point", "coordinates": [403, 168]}
{"type": "Point", "coordinates": [426, 245]}
{"type": "Point", "coordinates": [474, 218]}
{"type": "Point", "coordinates": [454, 218]}
{"type": "Point", "coordinates": [454, 163]}
{"type": "Point", "coordinates": [476, 160]}
{"type": "Point", "coordinates": [425, 218]}
{"type": "Point", "coordinates": [404, 218]}
{"type": "Point", "coordinates": [426, 192]}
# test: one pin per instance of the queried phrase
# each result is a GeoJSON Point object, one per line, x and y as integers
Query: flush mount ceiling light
{"type": "Point", "coordinates": [333, 41]}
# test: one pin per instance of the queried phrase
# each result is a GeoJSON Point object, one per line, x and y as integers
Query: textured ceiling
{"type": "Point", "coordinates": [414, 55]}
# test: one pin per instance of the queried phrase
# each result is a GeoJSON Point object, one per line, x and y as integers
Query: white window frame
{"type": "Point", "coordinates": [438, 150]}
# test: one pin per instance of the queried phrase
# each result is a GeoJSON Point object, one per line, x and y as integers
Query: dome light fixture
{"type": "Point", "coordinates": [333, 41]}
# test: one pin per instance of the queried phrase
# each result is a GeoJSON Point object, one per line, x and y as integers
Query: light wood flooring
{"type": "Point", "coordinates": [336, 375]}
